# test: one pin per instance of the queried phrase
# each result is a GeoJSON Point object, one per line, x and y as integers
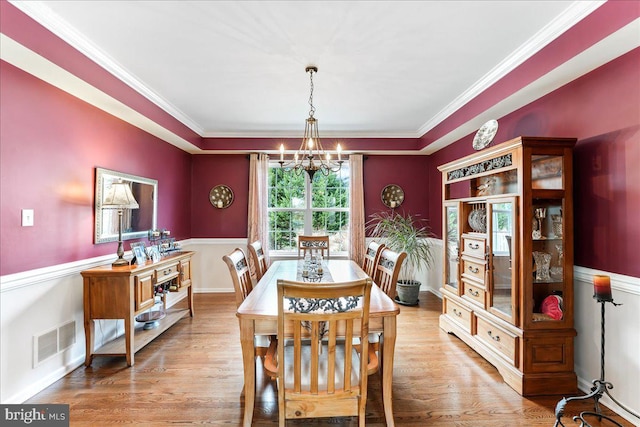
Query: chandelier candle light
{"type": "Point", "coordinates": [311, 157]}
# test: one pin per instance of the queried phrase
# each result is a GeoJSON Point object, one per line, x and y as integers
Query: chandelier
{"type": "Point", "coordinates": [311, 157]}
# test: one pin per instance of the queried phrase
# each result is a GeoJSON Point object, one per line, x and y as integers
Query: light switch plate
{"type": "Point", "coordinates": [27, 217]}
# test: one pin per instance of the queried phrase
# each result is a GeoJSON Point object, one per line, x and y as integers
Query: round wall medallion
{"type": "Point", "coordinates": [392, 196]}
{"type": "Point", "coordinates": [221, 196]}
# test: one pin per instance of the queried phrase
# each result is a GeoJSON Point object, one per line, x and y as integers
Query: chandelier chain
{"type": "Point", "coordinates": [312, 110]}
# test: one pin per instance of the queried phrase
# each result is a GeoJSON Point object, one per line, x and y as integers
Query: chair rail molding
{"type": "Point", "coordinates": [620, 282]}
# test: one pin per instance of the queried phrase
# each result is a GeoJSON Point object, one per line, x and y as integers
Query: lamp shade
{"type": "Point", "coordinates": [119, 196]}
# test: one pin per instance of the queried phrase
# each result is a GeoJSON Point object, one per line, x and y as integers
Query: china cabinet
{"type": "Point", "coordinates": [508, 260]}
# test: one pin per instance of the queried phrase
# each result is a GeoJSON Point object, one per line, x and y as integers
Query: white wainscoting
{"type": "Point", "coordinates": [37, 301]}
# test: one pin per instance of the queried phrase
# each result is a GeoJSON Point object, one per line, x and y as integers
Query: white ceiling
{"type": "Point", "coordinates": [237, 68]}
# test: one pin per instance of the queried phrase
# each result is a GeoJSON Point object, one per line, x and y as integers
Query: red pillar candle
{"type": "Point", "coordinates": [602, 288]}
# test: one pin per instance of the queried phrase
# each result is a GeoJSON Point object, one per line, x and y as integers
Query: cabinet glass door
{"type": "Point", "coordinates": [502, 263]}
{"type": "Point", "coordinates": [452, 246]}
{"type": "Point", "coordinates": [548, 274]}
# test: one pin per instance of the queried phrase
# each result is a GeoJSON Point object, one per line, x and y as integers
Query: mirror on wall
{"type": "Point", "coordinates": [136, 223]}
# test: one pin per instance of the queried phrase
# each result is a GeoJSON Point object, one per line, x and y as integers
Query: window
{"type": "Point", "coordinates": [300, 207]}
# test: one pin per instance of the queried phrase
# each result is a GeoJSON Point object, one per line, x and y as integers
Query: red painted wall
{"type": "Point", "coordinates": [50, 144]}
{"type": "Point", "coordinates": [207, 172]}
{"type": "Point", "coordinates": [601, 109]}
{"type": "Point", "coordinates": [411, 173]}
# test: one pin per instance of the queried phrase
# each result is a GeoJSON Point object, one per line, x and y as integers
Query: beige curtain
{"type": "Point", "coordinates": [257, 226]}
{"type": "Point", "coordinates": [356, 214]}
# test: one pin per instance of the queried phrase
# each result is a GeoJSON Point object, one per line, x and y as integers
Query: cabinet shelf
{"type": "Point", "coordinates": [142, 337]}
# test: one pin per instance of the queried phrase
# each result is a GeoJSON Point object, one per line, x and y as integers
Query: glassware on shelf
{"type": "Point", "coordinates": [556, 224]}
{"type": "Point", "coordinates": [540, 214]}
{"type": "Point", "coordinates": [557, 270]}
{"type": "Point", "coordinates": [543, 262]}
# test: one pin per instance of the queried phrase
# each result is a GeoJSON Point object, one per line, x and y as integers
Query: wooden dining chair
{"type": "Point", "coordinates": [241, 277]}
{"type": "Point", "coordinates": [371, 257]}
{"type": "Point", "coordinates": [320, 373]}
{"type": "Point", "coordinates": [315, 245]}
{"type": "Point", "coordinates": [258, 259]}
{"type": "Point", "coordinates": [387, 271]}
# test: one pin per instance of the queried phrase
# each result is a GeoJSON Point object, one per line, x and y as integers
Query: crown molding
{"type": "Point", "coordinates": [571, 16]}
{"type": "Point", "coordinates": [615, 45]}
{"type": "Point", "coordinates": [38, 11]}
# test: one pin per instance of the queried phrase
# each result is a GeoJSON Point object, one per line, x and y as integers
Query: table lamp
{"type": "Point", "coordinates": [119, 197]}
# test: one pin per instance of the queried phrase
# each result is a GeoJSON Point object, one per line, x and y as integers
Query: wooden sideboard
{"type": "Point", "coordinates": [127, 291]}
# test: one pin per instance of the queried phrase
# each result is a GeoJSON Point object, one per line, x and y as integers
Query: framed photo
{"type": "Point", "coordinates": [139, 254]}
{"type": "Point", "coordinates": [153, 253]}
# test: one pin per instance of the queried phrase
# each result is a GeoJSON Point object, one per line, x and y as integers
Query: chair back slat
{"type": "Point", "coordinates": [240, 275]}
{"type": "Point", "coordinates": [315, 245]}
{"type": "Point", "coordinates": [371, 257]}
{"type": "Point", "coordinates": [317, 325]}
{"type": "Point", "coordinates": [258, 259]}
{"type": "Point", "coordinates": [388, 269]}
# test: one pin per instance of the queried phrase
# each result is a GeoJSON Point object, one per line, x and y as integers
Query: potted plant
{"type": "Point", "coordinates": [404, 232]}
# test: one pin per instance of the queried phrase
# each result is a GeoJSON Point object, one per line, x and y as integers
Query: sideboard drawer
{"type": "Point", "coordinates": [473, 247]}
{"type": "Point", "coordinates": [497, 338]}
{"type": "Point", "coordinates": [167, 272]}
{"type": "Point", "coordinates": [458, 313]}
{"type": "Point", "coordinates": [474, 293]}
{"type": "Point", "coordinates": [473, 269]}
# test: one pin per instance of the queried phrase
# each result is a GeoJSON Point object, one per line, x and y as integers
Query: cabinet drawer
{"type": "Point", "coordinates": [167, 272]}
{"type": "Point", "coordinates": [473, 269]}
{"type": "Point", "coordinates": [497, 338]}
{"type": "Point", "coordinates": [458, 313]}
{"type": "Point", "coordinates": [475, 293]}
{"type": "Point", "coordinates": [474, 247]}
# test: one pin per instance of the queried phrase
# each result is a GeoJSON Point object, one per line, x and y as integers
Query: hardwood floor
{"type": "Point", "coordinates": [192, 374]}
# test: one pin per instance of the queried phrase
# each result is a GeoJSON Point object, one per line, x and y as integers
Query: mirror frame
{"type": "Point", "coordinates": [106, 175]}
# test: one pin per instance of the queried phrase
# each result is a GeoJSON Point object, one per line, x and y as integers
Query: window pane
{"type": "Point", "coordinates": [332, 190]}
{"type": "Point", "coordinates": [284, 227]}
{"type": "Point", "coordinates": [286, 189]}
{"type": "Point", "coordinates": [335, 225]}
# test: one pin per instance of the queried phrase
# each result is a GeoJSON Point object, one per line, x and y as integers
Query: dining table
{"type": "Point", "coordinates": [258, 316]}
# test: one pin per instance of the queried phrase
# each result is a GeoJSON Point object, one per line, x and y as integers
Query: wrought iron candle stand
{"type": "Point", "coordinates": [600, 386]}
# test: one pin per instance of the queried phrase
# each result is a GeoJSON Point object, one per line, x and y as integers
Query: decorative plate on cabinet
{"type": "Point", "coordinates": [392, 196]}
{"type": "Point", "coordinates": [485, 134]}
{"type": "Point", "coordinates": [221, 196]}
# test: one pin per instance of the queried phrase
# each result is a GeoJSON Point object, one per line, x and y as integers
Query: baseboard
{"type": "Point", "coordinates": [45, 382]}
